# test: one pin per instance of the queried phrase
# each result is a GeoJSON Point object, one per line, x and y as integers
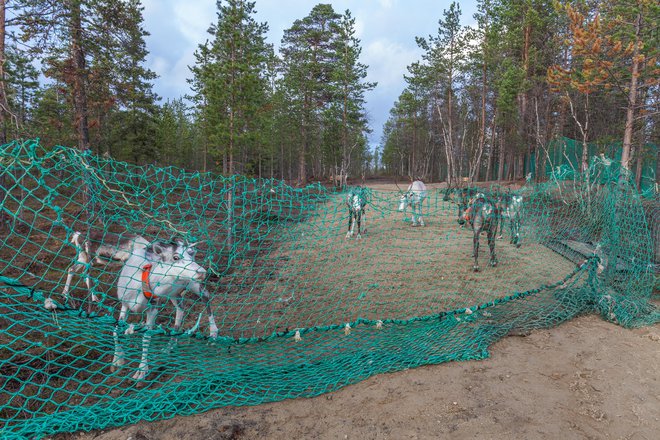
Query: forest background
{"type": "Point", "coordinates": [483, 102]}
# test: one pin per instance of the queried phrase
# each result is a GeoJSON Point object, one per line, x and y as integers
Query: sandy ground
{"type": "Point", "coordinates": [586, 379]}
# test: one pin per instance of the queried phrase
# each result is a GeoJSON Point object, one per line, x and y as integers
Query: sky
{"type": "Point", "coordinates": [386, 28]}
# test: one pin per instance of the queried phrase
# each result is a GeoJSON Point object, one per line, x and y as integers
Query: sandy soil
{"type": "Point", "coordinates": [586, 379]}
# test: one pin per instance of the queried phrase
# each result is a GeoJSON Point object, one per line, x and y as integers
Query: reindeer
{"type": "Point", "coordinates": [355, 201]}
{"type": "Point", "coordinates": [414, 197]}
{"type": "Point", "coordinates": [339, 178]}
{"type": "Point", "coordinates": [510, 207]}
{"type": "Point", "coordinates": [481, 213]}
{"type": "Point", "coordinates": [151, 277]}
{"type": "Point", "coordinates": [100, 248]}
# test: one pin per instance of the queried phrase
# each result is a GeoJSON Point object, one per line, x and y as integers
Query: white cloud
{"type": "Point", "coordinates": [387, 61]}
{"type": "Point", "coordinates": [386, 4]}
{"type": "Point", "coordinates": [158, 64]}
{"type": "Point", "coordinates": [193, 19]}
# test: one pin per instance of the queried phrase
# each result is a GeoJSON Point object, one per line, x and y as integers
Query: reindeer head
{"type": "Point", "coordinates": [356, 200]}
{"type": "Point", "coordinates": [177, 259]}
{"type": "Point", "coordinates": [463, 204]}
{"type": "Point", "coordinates": [404, 201]}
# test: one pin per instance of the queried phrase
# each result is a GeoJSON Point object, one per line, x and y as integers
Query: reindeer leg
{"type": "Point", "coordinates": [349, 234]}
{"type": "Point", "coordinates": [491, 244]}
{"type": "Point", "coordinates": [516, 232]}
{"type": "Point", "coordinates": [143, 368]}
{"type": "Point", "coordinates": [178, 316]}
{"type": "Point", "coordinates": [192, 330]}
{"type": "Point", "coordinates": [475, 247]}
{"type": "Point", "coordinates": [213, 327]}
{"type": "Point", "coordinates": [118, 359]}
{"type": "Point", "coordinates": [195, 327]}
{"type": "Point", "coordinates": [511, 231]}
{"type": "Point", "coordinates": [75, 268]}
{"type": "Point", "coordinates": [178, 319]}
{"type": "Point", "coordinates": [88, 282]}
{"type": "Point", "coordinates": [89, 287]}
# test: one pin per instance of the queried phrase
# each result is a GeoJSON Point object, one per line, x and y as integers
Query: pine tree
{"type": "Point", "coordinates": [81, 42]}
{"type": "Point", "coordinates": [309, 55]}
{"type": "Point", "coordinates": [175, 135]}
{"type": "Point", "coordinates": [9, 119]}
{"type": "Point", "coordinates": [444, 56]}
{"type": "Point", "coordinates": [229, 83]}
{"type": "Point", "coordinates": [119, 84]}
{"type": "Point", "coordinates": [49, 115]}
{"type": "Point", "coordinates": [350, 86]}
{"type": "Point", "coordinates": [22, 85]}
{"type": "Point", "coordinates": [631, 29]}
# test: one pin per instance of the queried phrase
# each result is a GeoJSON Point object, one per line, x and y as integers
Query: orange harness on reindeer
{"type": "Point", "coordinates": [467, 214]}
{"type": "Point", "coordinates": [146, 287]}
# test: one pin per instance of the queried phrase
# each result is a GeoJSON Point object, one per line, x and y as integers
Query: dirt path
{"type": "Point", "coordinates": [586, 379]}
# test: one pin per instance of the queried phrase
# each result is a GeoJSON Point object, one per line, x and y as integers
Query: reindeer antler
{"type": "Point", "coordinates": [397, 184]}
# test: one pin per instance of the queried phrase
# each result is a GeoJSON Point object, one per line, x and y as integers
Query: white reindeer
{"type": "Point", "coordinates": [355, 201]}
{"type": "Point", "coordinates": [414, 197]}
{"type": "Point", "coordinates": [100, 248]}
{"type": "Point", "coordinates": [145, 283]}
{"type": "Point", "coordinates": [510, 207]}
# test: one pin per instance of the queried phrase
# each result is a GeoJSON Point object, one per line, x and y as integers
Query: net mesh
{"type": "Point", "coordinates": [301, 309]}
{"type": "Point", "coordinates": [562, 158]}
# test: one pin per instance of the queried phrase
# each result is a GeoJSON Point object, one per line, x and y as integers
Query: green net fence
{"type": "Point", "coordinates": [301, 310]}
{"type": "Point", "coordinates": [562, 158]}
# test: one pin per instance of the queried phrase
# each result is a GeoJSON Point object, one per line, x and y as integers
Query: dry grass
{"type": "Point", "coordinates": [318, 277]}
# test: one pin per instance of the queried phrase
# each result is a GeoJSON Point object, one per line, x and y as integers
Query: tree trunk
{"type": "Point", "coordinates": [632, 98]}
{"type": "Point", "coordinates": [302, 171]}
{"type": "Point", "coordinates": [230, 166]}
{"type": "Point", "coordinates": [500, 169]}
{"type": "Point", "coordinates": [523, 98]}
{"type": "Point", "coordinates": [79, 76]}
{"type": "Point", "coordinates": [3, 93]}
{"type": "Point", "coordinates": [489, 168]}
{"type": "Point", "coordinates": [491, 157]}
{"type": "Point", "coordinates": [282, 159]}
{"type": "Point", "coordinates": [3, 102]}
{"type": "Point", "coordinates": [638, 166]}
{"type": "Point", "coordinates": [484, 90]}
{"type": "Point", "coordinates": [344, 131]}
{"type": "Point", "coordinates": [205, 157]}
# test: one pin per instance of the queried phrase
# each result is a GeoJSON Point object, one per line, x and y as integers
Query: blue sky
{"type": "Point", "coordinates": [386, 28]}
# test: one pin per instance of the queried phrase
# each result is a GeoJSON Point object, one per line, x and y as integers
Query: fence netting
{"type": "Point", "coordinates": [301, 308]}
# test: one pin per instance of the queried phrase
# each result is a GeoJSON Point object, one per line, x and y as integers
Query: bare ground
{"type": "Point", "coordinates": [586, 379]}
